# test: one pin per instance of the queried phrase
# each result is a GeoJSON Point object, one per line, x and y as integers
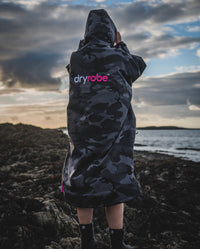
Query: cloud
{"type": "Point", "coordinates": [162, 12]}
{"type": "Point", "coordinates": [171, 99]}
{"type": "Point", "coordinates": [193, 29]}
{"type": "Point", "coordinates": [30, 4]}
{"type": "Point", "coordinates": [97, 1]}
{"type": "Point", "coordinates": [160, 46]}
{"type": "Point", "coordinates": [173, 89]}
{"type": "Point", "coordinates": [34, 42]}
{"type": "Point", "coordinates": [34, 107]}
{"type": "Point", "coordinates": [32, 69]}
{"type": "Point", "coordinates": [143, 26]}
{"type": "Point", "coordinates": [5, 91]}
{"type": "Point", "coordinates": [187, 68]}
{"type": "Point", "coordinates": [37, 114]}
{"type": "Point", "coordinates": [198, 52]}
{"type": "Point", "coordinates": [44, 28]}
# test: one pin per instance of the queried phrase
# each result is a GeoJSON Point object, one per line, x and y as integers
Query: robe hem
{"type": "Point", "coordinates": [102, 204]}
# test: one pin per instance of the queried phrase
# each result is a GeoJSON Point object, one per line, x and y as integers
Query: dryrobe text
{"type": "Point", "coordinates": [92, 78]}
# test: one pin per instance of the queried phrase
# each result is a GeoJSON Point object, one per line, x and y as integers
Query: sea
{"type": "Point", "coordinates": [182, 143]}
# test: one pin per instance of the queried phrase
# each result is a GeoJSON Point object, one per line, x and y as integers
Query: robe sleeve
{"type": "Point", "coordinates": [81, 43]}
{"type": "Point", "coordinates": [68, 68]}
{"type": "Point", "coordinates": [135, 64]}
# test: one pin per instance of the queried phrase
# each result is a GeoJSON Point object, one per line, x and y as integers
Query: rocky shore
{"type": "Point", "coordinates": [34, 215]}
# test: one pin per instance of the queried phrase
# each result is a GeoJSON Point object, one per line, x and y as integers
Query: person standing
{"type": "Point", "coordinates": [98, 170]}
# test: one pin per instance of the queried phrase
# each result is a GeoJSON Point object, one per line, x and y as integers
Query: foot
{"type": "Point", "coordinates": [92, 245]}
{"type": "Point", "coordinates": [88, 240]}
{"type": "Point", "coordinates": [124, 246]}
{"type": "Point", "coordinates": [117, 239]}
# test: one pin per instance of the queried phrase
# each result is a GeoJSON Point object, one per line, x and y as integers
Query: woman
{"type": "Point", "coordinates": [98, 170]}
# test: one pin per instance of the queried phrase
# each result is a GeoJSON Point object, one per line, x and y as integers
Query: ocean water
{"type": "Point", "coordinates": [181, 143]}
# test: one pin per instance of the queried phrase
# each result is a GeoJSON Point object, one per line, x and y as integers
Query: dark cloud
{"type": "Point", "coordinates": [32, 69]}
{"type": "Point", "coordinates": [10, 8]}
{"type": "Point", "coordinates": [11, 90]}
{"type": "Point", "coordinates": [33, 42]}
{"type": "Point", "coordinates": [176, 89]}
{"type": "Point", "coordinates": [160, 13]}
{"type": "Point", "coordinates": [137, 37]}
{"type": "Point", "coordinates": [160, 44]}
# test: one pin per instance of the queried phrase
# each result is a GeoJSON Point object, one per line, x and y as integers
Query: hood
{"type": "Point", "coordinates": [100, 27]}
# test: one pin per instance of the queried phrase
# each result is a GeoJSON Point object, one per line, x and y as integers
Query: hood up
{"type": "Point", "coordinates": [100, 27]}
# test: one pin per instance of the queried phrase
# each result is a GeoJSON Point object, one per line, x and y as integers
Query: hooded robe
{"type": "Point", "coordinates": [98, 169]}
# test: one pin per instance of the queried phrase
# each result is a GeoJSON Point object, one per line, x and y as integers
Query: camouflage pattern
{"type": "Point", "coordinates": [98, 169]}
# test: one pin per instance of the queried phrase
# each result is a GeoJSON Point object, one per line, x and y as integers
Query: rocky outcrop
{"type": "Point", "coordinates": [33, 213]}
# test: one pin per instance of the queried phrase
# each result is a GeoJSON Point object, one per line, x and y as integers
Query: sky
{"type": "Point", "coordinates": [37, 38]}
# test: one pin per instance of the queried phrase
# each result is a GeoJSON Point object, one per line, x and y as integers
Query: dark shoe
{"type": "Point", "coordinates": [117, 239]}
{"type": "Point", "coordinates": [88, 240]}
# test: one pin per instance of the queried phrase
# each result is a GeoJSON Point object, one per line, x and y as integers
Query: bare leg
{"type": "Point", "coordinates": [114, 216]}
{"type": "Point", "coordinates": [85, 215]}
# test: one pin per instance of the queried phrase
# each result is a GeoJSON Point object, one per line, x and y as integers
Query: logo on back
{"type": "Point", "coordinates": [90, 78]}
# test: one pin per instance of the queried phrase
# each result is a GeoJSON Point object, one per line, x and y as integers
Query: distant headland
{"type": "Point", "coordinates": [155, 128]}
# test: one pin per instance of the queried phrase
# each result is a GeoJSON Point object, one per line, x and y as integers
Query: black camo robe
{"type": "Point", "coordinates": [98, 169]}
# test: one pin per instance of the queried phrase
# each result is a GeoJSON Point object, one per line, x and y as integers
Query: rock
{"type": "Point", "coordinates": [34, 214]}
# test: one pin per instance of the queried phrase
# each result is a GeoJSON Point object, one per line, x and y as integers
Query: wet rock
{"type": "Point", "coordinates": [34, 214]}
